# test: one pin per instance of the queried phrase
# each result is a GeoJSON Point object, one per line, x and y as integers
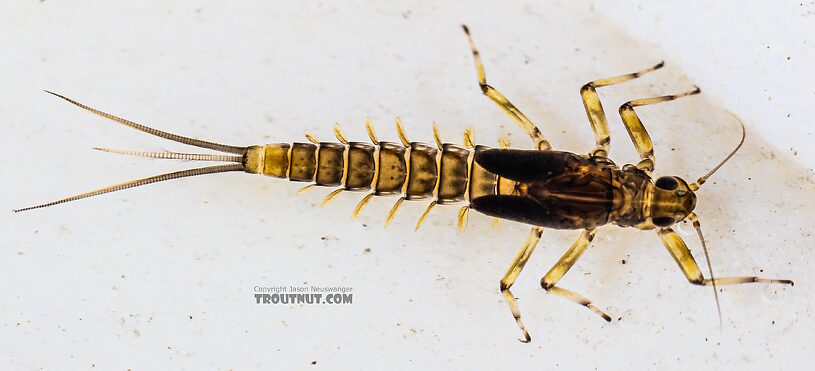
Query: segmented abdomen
{"type": "Point", "coordinates": [416, 170]}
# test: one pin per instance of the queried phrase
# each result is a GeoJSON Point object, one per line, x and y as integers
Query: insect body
{"type": "Point", "coordinates": [540, 187]}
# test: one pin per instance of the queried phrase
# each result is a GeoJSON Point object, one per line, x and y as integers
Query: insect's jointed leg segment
{"type": "Point", "coordinates": [503, 102]}
{"type": "Point", "coordinates": [563, 265]}
{"type": "Point", "coordinates": [681, 254]}
{"type": "Point", "coordinates": [637, 132]}
{"type": "Point", "coordinates": [512, 274]}
{"type": "Point", "coordinates": [594, 109]}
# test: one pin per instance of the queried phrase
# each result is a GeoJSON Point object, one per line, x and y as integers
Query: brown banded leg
{"type": "Point", "coordinates": [677, 248]}
{"type": "Point", "coordinates": [503, 102]}
{"type": "Point", "coordinates": [563, 265]}
{"type": "Point", "coordinates": [637, 132]}
{"type": "Point", "coordinates": [594, 109]}
{"type": "Point", "coordinates": [512, 273]}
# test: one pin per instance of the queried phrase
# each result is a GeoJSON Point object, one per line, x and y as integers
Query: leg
{"type": "Point", "coordinates": [688, 265]}
{"type": "Point", "coordinates": [563, 265]}
{"type": "Point", "coordinates": [512, 274]}
{"type": "Point", "coordinates": [637, 132]}
{"type": "Point", "coordinates": [594, 109]}
{"type": "Point", "coordinates": [503, 102]}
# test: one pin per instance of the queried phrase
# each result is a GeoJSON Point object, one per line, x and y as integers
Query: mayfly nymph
{"type": "Point", "coordinates": [541, 187]}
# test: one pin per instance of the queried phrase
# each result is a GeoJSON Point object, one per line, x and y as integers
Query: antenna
{"type": "Point", "coordinates": [702, 180]}
{"type": "Point", "coordinates": [698, 226]}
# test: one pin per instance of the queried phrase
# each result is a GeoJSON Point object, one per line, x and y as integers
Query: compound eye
{"type": "Point", "coordinates": [663, 221]}
{"type": "Point", "coordinates": [667, 183]}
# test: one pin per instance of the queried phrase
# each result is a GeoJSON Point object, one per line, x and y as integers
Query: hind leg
{"type": "Point", "coordinates": [512, 274]}
{"type": "Point", "coordinates": [504, 103]}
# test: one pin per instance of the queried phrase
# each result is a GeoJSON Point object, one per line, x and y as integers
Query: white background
{"type": "Point", "coordinates": [161, 277]}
